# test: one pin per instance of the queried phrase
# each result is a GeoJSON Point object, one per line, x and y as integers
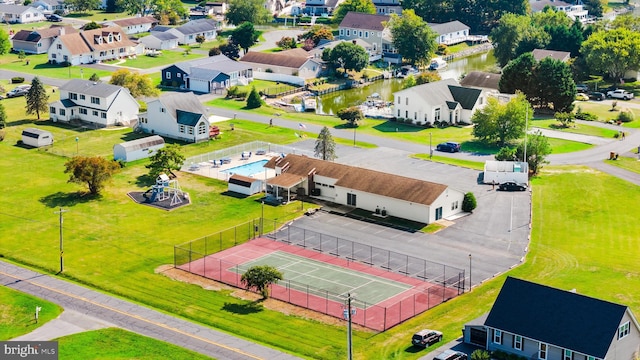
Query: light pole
{"type": "Point", "coordinates": [526, 129]}
{"type": "Point", "coordinates": [348, 313]}
{"type": "Point", "coordinates": [430, 149]}
{"type": "Point", "coordinates": [61, 247]}
{"type": "Point", "coordinates": [470, 283]}
{"type": "Point", "coordinates": [262, 219]}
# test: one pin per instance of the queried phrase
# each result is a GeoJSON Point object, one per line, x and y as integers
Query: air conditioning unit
{"type": "Point", "coordinates": [315, 192]}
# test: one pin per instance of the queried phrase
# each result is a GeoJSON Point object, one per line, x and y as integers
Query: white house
{"type": "Point", "coordinates": [188, 32]}
{"type": "Point", "coordinates": [134, 25]}
{"type": "Point", "coordinates": [20, 14]}
{"type": "Point", "coordinates": [295, 62]}
{"type": "Point", "coordinates": [94, 102]}
{"type": "Point", "coordinates": [176, 115]}
{"type": "Point", "coordinates": [49, 6]}
{"type": "Point", "coordinates": [450, 33]}
{"type": "Point", "coordinates": [36, 137]}
{"type": "Point", "coordinates": [89, 46]}
{"type": "Point", "coordinates": [137, 149]}
{"type": "Point", "coordinates": [382, 193]}
{"type": "Point", "coordinates": [38, 41]}
{"type": "Point", "coordinates": [440, 101]}
{"type": "Point", "coordinates": [321, 7]}
{"type": "Point", "coordinates": [498, 172]}
{"type": "Point", "coordinates": [573, 11]}
{"type": "Point", "coordinates": [159, 41]}
{"type": "Point", "coordinates": [244, 185]}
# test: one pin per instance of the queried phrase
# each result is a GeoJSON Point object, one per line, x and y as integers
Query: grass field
{"type": "Point", "coordinates": [167, 58]}
{"type": "Point", "coordinates": [17, 312]}
{"type": "Point", "coordinates": [604, 113]}
{"type": "Point", "coordinates": [575, 128]}
{"type": "Point", "coordinates": [38, 65]}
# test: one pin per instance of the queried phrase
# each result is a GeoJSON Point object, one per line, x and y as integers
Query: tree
{"type": "Point", "coordinates": [91, 25]}
{"type": "Point", "coordinates": [134, 7]}
{"type": "Point", "coordinates": [230, 50]}
{"type": "Point", "coordinates": [627, 21]}
{"type": "Point", "coordinates": [37, 98]}
{"type": "Point", "coordinates": [499, 123]}
{"type": "Point", "coordinates": [260, 277]}
{"type": "Point", "coordinates": [565, 118]}
{"type": "Point", "coordinates": [172, 10]}
{"type": "Point", "coordinates": [245, 36]}
{"type": "Point", "coordinates": [200, 39]}
{"type": "Point", "coordinates": [518, 75]}
{"type": "Point", "coordinates": [21, 55]}
{"type": "Point", "coordinates": [137, 84]}
{"type": "Point", "coordinates": [413, 38]}
{"type": "Point", "coordinates": [361, 6]}
{"type": "Point", "coordinates": [480, 354]}
{"type": "Point", "coordinates": [95, 78]}
{"type": "Point", "coordinates": [352, 115]}
{"type": "Point", "coordinates": [349, 56]}
{"type": "Point", "coordinates": [325, 145]}
{"type": "Point", "coordinates": [554, 85]}
{"type": "Point", "coordinates": [506, 153]}
{"type": "Point", "coordinates": [409, 81]}
{"type": "Point", "coordinates": [507, 35]}
{"type": "Point", "coordinates": [253, 100]}
{"type": "Point", "coordinates": [5, 43]}
{"type": "Point", "coordinates": [166, 160]}
{"type": "Point", "coordinates": [214, 51]}
{"type": "Point", "coordinates": [537, 150]}
{"type": "Point", "coordinates": [252, 11]}
{"type": "Point", "coordinates": [113, 6]}
{"type": "Point", "coordinates": [613, 52]}
{"type": "Point", "coordinates": [3, 117]}
{"type": "Point", "coordinates": [469, 202]}
{"type": "Point", "coordinates": [83, 5]}
{"type": "Point", "coordinates": [287, 42]}
{"type": "Point", "coordinates": [94, 171]}
{"type": "Point", "coordinates": [317, 33]}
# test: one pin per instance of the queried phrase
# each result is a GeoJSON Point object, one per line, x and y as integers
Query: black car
{"type": "Point", "coordinates": [448, 147]}
{"type": "Point", "coordinates": [54, 18]}
{"type": "Point", "coordinates": [512, 186]}
{"type": "Point", "coordinates": [596, 95]}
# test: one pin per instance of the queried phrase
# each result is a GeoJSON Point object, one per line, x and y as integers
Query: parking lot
{"type": "Point", "coordinates": [495, 235]}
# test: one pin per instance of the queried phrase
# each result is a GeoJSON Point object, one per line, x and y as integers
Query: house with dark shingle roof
{"type": "Point", "coordinates": [188, 32]}
{"type": "Point", "coordinates": [295, 62]}
{"type": "Point", "coordinates": [387, 7]}
{"type": "Point", "coordinates": [95, 103]}
{"type": "Point", "coordinates": [320, 7]}
{"type": "Point", "coordinates": [208, 74]}
{"type": "Point", "coordinates": [176, 115]}
{"type": "Point", "coordinates": [375, 191]}
{"type": "Point", "coordinates": [38, 41]}
{"type": "Point", "coordinates": [481, 80]}
{"type": "Point", "coordinates": [450, 33]}
{"type": "Point", "coordinates": [49, 6]}
{"type": "Point", "coordinates": [539, 54]}
{"type": "Point", "coordinates": [540, 322]}
{"type": "Point", "coordinates": [134, 25]}
{"type": "Point", "coordinates": [91, 46]}
{"type": "Point", "coordinates": [440, 101]}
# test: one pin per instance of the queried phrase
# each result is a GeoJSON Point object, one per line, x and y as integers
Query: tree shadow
{"type": "Point", "coordinates": [244, 309]}
{"type": "Point", "coordinates": [392, 126]}
{"type": "Point", "coordinates": [62, 199]}
{"type": "Point", "coordinates": [145, 181]}
{"type": "Point", "coordinates": [234, 195]}
{"type": "Point", "coordinates": [412, 349]}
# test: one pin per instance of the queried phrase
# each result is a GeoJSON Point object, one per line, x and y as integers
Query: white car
{"type": "Point", "coordinates": [620, 94]}
{"type": "Point", "coordinates": [21, 90]}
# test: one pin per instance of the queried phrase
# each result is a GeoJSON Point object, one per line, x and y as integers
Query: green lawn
{"type": "Point", "coordinates": [99, 16]}
{"type": "Point", "coordinates": [166, 58]}
{"type": "Point", "coordinates": [17, 312]}
{"type": "Point", "coordinates": [477, 165]}
{"type": "Point", "coordinates": [604, 113]}
{"type": "Point", "coordinates": [627, 163]}
{"type": "Point", "coordinates": [575, 128]}
{"type": "Point", "coordinates": [116, 344]}
{"type": "Point", "coordinates": [38, 65]}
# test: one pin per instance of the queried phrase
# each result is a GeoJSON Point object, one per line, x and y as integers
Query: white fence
{"type": "Point", "coordinates": [290, 79]}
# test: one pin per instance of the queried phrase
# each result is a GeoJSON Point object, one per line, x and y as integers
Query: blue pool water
{"type": "Point", "coordinates": [247, 169]}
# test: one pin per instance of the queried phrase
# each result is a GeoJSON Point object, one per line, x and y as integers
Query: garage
{"type": "Point", "coordinates": [199, 85]}
{"type": "Point", "coordinates": [137, 149]}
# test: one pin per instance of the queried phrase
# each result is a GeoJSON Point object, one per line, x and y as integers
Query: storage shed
{"type": "Point", "coordinates": [137, 149]}
{"type": "Point", "coordinates": [244, 185]}
{"type": "Point", "coordinates": [498, 172]}
{"type": "Point", "coordinates": [36, 137]}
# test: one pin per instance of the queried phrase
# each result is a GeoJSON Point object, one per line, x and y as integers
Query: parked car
{"type": "Point", "coordinates": [451, 355]}
{"type": "Point", "coordinates": [598, 96]}
{"type": "Point", "coordinates": [582, 88]}
{"type": "Point", "coordinates": [54, 18]}
{"type": "Point", "coordinates": [582, 97]}
{"type": "Point", "coordinates": [620, 94]}
{"type": "Point", "coordinates": [449, 147]}
{"type": "Point", "coordinates": [425, 338]}
{"type": "Point", "coordinates": [512, 186]}
{"type": "Point", "coordinates": [21, 90]}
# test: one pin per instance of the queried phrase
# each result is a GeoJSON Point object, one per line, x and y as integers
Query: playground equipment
{"type": "Point", "coordinates": [166, 188]}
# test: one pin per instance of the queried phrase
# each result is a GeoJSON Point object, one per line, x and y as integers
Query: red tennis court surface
{"type": "Point", "coordinates": [417, 296]}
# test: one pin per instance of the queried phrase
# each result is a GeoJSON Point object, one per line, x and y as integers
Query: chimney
{"type": "Point", "coordinates": [61, 30]}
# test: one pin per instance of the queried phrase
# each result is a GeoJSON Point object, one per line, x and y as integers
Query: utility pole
{"type": "Point", "coordinates": [62, 211]}
{"type": "Point", "coordinates": [430, 149]}
{"type": "Point", "coordinates": [470, 283]}
{"type": "Point", "coordinates": [348, 313]}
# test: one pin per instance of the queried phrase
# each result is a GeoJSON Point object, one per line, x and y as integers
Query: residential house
{"type": "Point", "coordinates": [20, 14]}
{"type": "Point", "coordinates": [540, 54]}
{"type": "Point", "coordinates": [371, 29]}
{"type": "Point", "coordinates": [384, 7]}
{"type": "Point", "coordinates": [90, 46]}
{"type": "Point", "coordinates": [94, 102]}
{"type": "Point", "coordinates": [573, 11]}
{"type": "Point", "coordinates": [450, 33]}
{"type": "Point", "coordinates": [487, 82]}
{"type": "Point", "coordinates": [134, 25]}
{"type": "Point", "coordinates": [50, 6]}
{"type": "Point", "coordinates": [441, 101]}
{"type": "Point", "coordinates": [207, 74]}
{"type": "Point", "coordinates": [316, 52]}
{"type": "Point", "coordinates": [176, 115]}
{"type": "Point", "coordinates": [535, 321]}
{"type": "Point", "coordinates": [218, 8]}
{"type": "Point", "coordinates": [38, 41]}
{"type": "Point", "coordinates": [321, 7]}
{"type": "Point", "coordinates": [373, 191]}
{"type": "Point", "coordinates": [291, 62]}
{"type": "Point", "coordinates": [159, 41]}
{"type": "Point", "coordinates": [188, 32]}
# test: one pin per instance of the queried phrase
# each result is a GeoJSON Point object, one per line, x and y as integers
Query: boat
{"type": "Point", "coordinates": [437, 64]}
{"type": "Point", "coordinates": [309, 104]}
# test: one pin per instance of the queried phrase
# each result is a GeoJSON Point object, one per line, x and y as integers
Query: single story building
{"type": "Point", "coordinates": [498, 172]}
{"type": "Point", "coordinates": [244, 185]}
{"type": "Point", "coordinates": [36, 137]}
{"type": "Point", "coordinates": [137, 149]}
{"type": "Point", "coordinates": [381, 193]}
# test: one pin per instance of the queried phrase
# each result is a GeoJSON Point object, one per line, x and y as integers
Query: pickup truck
{"type": "Point", "coordinates": [620, 94]}
{"type": "Point", "coordinates": [426, 337]}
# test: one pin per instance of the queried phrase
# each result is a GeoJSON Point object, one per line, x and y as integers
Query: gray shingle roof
{"type": "Point", "coordinates": [163, 35]}
{"type": "Point", "coordinates": [562, 318]}
{"type": "Point", "coordinates": [90, 88]}
{"type": "Point", "coordinates": [15, 9]}
{"type": "Point", "coordinates": [181, 101]}
{"type": "Point", "coordinates": [356, 20]}
{"type": "Point", "coordinates": [467, 97]}
{"type": "Point", "coordinates": [34, 133]}
{"type": "Point", "coordinates": [448, 27]}
{"type": "Point", "coordinates": [162, 28]}
{"type": "Point", "coordinates": [481, 79]}
{"type": "Point", "coordinates": [540, 54]}
{"type": "Point", "coordinates": [198, 26]}
{"type": "Point", "coordinates": [142, 143]}
{"type": "Point", "coordinates": [443, 91]}
{"type": "Point", "coordinates": [187, 118]}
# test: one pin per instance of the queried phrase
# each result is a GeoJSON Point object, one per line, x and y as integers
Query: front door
{"type": "Point", "coordinates": [351, 199]}
{"type": "Point", "coordinates": [439, 213]}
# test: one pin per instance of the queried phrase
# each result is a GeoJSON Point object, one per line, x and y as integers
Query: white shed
{"type": "Point", "coordinates": [36, 137]}
{"type": "Point", "coordinates": [498, 172]}
{"type": "Point", "coordinates": [137, 149]}
{"type": "Point", "coordinates": [244, 185]}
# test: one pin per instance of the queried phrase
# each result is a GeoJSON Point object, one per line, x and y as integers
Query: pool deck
{"type": "Point", "coordinates": [217, 172]}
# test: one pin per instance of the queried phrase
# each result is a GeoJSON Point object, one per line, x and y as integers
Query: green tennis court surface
{"type": "Point", "coordinates": [338, 281]}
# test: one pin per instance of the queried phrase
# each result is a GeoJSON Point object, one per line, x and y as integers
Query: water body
{"type": "Point", "coordinates": [330, 104]}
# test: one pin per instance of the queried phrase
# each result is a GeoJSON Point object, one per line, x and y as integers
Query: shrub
{"type": "Point", "coordinates": [17, 80]}
{"type": "Point", "coordinates": [625, 115]}
{"type": "Point", "coordinates": [253, 100]}
{"type": "Point", "coordinates": [480, 354]}
{"type": "Point", "coordinates": [469, 203]}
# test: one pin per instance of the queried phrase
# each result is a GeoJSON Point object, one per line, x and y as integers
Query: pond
{"type": "Point", "coordinates": [330, 104]}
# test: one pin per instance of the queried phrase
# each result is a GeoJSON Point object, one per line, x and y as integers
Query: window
{"type": "Point", "coordinates": [341, 32]}
{"type": "Point", "coordinates": [83, 111]}
{"type": "Point", "coordinates": [163, 110]}
{"type": "Point", "coordinates": [121, 50]}
{"type": "Point", "coordinates": [399, 100]}
{"type": "Point", "coordinates": [94, 113]}
{"type": "Point", "coordinates": [497, 336]}
{"type": "Point", "coordinates": [568, 354]}
{"type": "Point", "coordinates": [82, 97]}
{"type": "Point", "coordinates": [190, 130]}
{"type": "Point", "coordinates": [53, 56]}
{"type": "Point", "coordinates": [103, 115]}
{"type": "Point", "coordinates": [202, 129]}
{"type": "Point", "coordinates": [398, 112]}
{"type": "Point", "coordinates": [73, 96]}
{"type": "Point", "coordinates": [181, 128]}
{"type": "Point", "coordinates": [406, 114]}
{"type": "Point", "coordinates": [167, 75]}
{"type": "Point", "coordinates": [517, 339]}
{"type": "Point", "coordinates": [542, 351]}
{"type": "Point", "coordinates": [178, 75]}
{"type": "Point", "coordinates": [59, 46]}
{"type": "Point", "coordinates": [351, 199]}
{"type": "Point", "coordinates": [436, 116]}
{"type": "Point", "coordinates": [360, 34]}
{"type": "Point", "coordinates": [366, 34]}
{"type": "Point", "coordinates": [348, 32]}
{"type": "Point", "coordinates": [63, 112]}
{"type": "Point", "coordinates": [415, 115]}
{"type": "Point", "coordinates": [39, 44]}
{"type": "Point", "coordinates": [623, 330]}
{"type": "Point", "coordinates": [52, 109]}
{"type": "Point", "coordinates": [406, 100]}
{"type": "Point", "coordinates": [95, 100]}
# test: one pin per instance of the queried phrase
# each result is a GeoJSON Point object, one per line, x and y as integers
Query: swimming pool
{"type": "Point", "coordinates": [247, 169]}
